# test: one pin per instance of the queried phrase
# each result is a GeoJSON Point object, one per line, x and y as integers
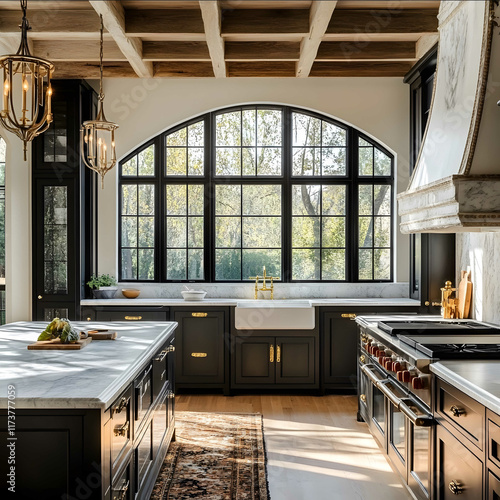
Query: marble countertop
{"type": "Point", "coordinates": [92, 377]}
{"type": "Point", "coordinates": [478, 379]}
{"type": "Point", "coordinates": [353, 302]}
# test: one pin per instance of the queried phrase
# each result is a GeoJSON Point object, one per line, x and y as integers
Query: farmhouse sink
{"type": "Point", "coordinates": [274, 315]}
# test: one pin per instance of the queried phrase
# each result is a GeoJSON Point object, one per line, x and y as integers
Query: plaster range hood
{"type": "Point", "coordinates": [455, 186]}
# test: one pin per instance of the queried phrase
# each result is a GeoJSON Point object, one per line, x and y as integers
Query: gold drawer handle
{"type": "Point", "coordinates": [350, 316]}
{"type": "Point", "coordinates": [456, 411]}
{"type": "Point", "coordinates": [162, 355]}
{"type": "Point", "coordinates": [171, 395]}
{"type": "Point", "coordinates": [362, 398]}
{"type": "Point", "coordinates": [278, 354]}
{"type": "Point", "coordinates": [362, 359]}
{"type": "Point", "coordinates": [271, 354]}
{"type": "Point", "coordinates": [456, 488]}
{"type": "Point", "coordinates": [133, 318]}
{"type": "Point", "coordinates": [121, 405]}
{"type": "Point", "coordinates": [122, 429]}
{"type": "Point", "coordinates": [121, 490]}
{"type": "Point", "coordinates": [199, 354]}
{"type": "Point", "coordinates": [199, 315]}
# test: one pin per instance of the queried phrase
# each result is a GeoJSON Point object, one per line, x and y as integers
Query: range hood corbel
{"type": "Point", "coordinates": [455, 186]}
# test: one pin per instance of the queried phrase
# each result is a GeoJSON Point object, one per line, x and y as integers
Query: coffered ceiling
{"type": "Point", "coordinates": [227, 38]}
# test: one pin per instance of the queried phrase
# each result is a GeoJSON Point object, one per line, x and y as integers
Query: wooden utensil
{"type": "Point", "coordinates": [102, 334]}
{"type": "Point", "coordinates": [56, 344]}
{"type": "Point", "coordinates": [464, 294]}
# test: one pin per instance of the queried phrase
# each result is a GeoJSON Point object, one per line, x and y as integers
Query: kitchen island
{"type": "Point", "coordinates": [93, 423]}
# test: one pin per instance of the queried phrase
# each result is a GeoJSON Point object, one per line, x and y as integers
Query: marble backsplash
{"type": "Point", "coordinates": [480, 251]}
{"type": "Point", "coordinates": [281, 290]}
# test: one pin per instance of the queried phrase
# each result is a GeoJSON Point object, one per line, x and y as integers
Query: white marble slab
{"type": "Point", "coordinates": [352, 302]}
{"type": "Point", "coordinates": [478, 379]}
{"type": "Point", "coordinates": [92, 377]}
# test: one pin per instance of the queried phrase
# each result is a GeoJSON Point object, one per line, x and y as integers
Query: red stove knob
{"type": "Point", "coordinates": [387, 363]}
{"type": "Point", "coordinates": [416, 383]}
{"type": "Point", "coordinates": [396, 367]}
{"type": "Point", "coordinates": [381, 359]}
{"type": "Point", "coordinates": [406, 376]}
{"type": "Point", "coordinates": [399, 375]}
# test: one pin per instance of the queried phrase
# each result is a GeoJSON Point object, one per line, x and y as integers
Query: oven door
{"type": "Point", "coordinates": [407, 430]}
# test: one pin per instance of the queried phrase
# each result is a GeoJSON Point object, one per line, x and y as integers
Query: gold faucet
{"type": "Point", "coordinates": [264, 287]}
{"type": "Point", "coordinates": [448, 303]}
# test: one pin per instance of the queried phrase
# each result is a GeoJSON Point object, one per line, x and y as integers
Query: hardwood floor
{"type": "Point", "coordinates": [316, 449]}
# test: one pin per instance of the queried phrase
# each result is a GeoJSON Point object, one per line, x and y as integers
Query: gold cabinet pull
{"type": "Point", "coordinates": [133, 318]}
{"type": "Point", "coordinates": [121, 405]}
{"type": "Point", "coordinates": [161, 356]}
{"type": "Point", "coordinates": [122, 430]}
{"type": "Point", "coordinates": [456, 411]}
{"type": "Point", "coordinates": [199, 354]}
{"type": "Point", "coordinates": [362, 398]}
{"type": "Point", "coordinates": [271, 353]}
{"type": "Point", "coordinates": [170, 348]}
{"type": "Point", "coordinates": [362, 358]}
{"type": "Point", "coordinates": [456, 488]}
{"type": "Point", "coordinates": [199, 315]}
{"type": "Point", "coordinates": [278, 354]}
{"type": "Point", "coordinates": [350, 316]}
{"type": "Point", "coordinates": [171, 395]}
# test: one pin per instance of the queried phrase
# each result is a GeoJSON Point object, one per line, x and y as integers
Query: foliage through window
{"type": "Point", "coordinates": [219, 197]}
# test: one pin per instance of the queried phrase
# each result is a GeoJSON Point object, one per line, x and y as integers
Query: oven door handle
{"type": "Point", "coordinates": [424, 420]}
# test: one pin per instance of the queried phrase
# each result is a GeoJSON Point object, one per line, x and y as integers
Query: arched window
{"type": "Point", "coordinates": [222, 195]}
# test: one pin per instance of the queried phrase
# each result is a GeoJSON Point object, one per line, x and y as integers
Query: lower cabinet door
{"type": "Point", "coordinates": [143, 457]}
{"type": "Point", "coordinates": [459, 471]}
{"type": "Point", "coordinates": [254, 360]}
{"type": "Point", "coordinates": [121, 488]}
{"type": "Point", "coordinates": [493, 486]}
{"type": "Point", "coordinates": [295, 360]}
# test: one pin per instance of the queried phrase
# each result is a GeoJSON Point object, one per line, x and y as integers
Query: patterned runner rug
{"type": "Point", "coordinates": [216, 456]}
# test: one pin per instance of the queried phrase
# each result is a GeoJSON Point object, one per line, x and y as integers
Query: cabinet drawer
{"type": "Point", "coordinates": [494, 441]}
{"type": "Point", "coordinates": [121, 423]}
{"type": "Point", "coordinates": [143, 389]}
{"type": "Point", "coordinates": [163, 358]}
{"type": "Point", "coordinates": [493, 487]}
{"type": "Point", "coordinates": [465, 414]}
{"type": "Point", "coordinates": [143, 457]}
{"type": "Point", "coordinates": [131, 316]}
{"type": "Point", "coordinates": [459, 471]}
{"type": "Point", "coordinates": [121, 488]}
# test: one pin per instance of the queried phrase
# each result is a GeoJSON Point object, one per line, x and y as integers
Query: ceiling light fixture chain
{"type": "Point", "coordinates": [26, 89]}
{"type": "Point", "coordinates": [98, 136]}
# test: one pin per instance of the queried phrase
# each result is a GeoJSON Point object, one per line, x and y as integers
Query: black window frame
{"type": "Point", "coordinates": [351, 180]}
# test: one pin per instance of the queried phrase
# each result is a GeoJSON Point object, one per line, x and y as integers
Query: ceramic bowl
{"type": "Point", "coordinates": [130, 293]}
{"type": "Point", "coordinates": [193, 294]}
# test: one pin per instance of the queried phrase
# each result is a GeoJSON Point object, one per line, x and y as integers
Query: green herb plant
{"type": "Point", "coordinates": [101, 280]}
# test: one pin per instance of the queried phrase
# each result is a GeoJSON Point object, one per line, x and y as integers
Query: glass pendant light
{"type": "Point", "coordinates": [97, 137]}
{"type": "Point", "coordinates": [27, 93]}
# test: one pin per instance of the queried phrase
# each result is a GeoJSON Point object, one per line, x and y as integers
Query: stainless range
{"type": "Point", "coordinates": [395, 386]}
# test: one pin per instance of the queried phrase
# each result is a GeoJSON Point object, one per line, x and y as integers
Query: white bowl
{"type": "Point", "coordinates": [193, 294]}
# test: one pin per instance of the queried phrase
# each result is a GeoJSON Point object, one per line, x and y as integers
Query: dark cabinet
{"type": "Point", "coordinates": [122, 313]}
{"type": "Point", "coordinates": [262, 361]}
{"type": "Point", "coordinates": [202, 356]}
{"type": "Point", "coordinates": [339, 352]}
{"type": "Point", "coordinates": [458, 470]}
{"type": "Point", "coordinates": [63, 198]}
{"type": "Point", "coordinates": [493, 487]}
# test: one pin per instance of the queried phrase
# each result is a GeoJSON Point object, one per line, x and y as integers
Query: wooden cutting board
{"type": "Point", "coordinates": [102, 334]}
{"type": "Point", "coordinates": [464, 294]}
{"type": "Point", "coordinates": [56, 344]}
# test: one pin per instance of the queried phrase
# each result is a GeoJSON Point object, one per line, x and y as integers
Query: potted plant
{"type": "Point", "coordinates": [103, 286]}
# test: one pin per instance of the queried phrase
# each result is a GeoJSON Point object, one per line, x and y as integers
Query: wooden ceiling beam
{"type": "Point", "coordinates": [211, 15]}
{"type": "Point", "coordinates": [183, 70]}
{"type": "Point", "coordinates": [65, 70]}
{"type": "Point", "coordinates": [265, 21]}
{"type": "Point", "coordinates": [276, 69]}
{"type": "Point", "coordinates": [141, 23]}
{"type": "Point", "coordinates": [175, 51]}
{"type": "Point", "coordinates": [383, 21]}
{"type": "Point", "coordinates": [319, 18]}
{"type": "Point", "coordinates": [255, 51]}
{"type": "Point", "coordinates": [76, 50]}
{"type": "Point", "coordinates": [425, 43]}
{"type": "Point", "coordinates": [335, 51]}
{"type": "Point", "coordinates": [51, 21]}
{"type": "Point", "coordinates": [360, 69]}
{"type": "Point", "coordinates": [113, 16]}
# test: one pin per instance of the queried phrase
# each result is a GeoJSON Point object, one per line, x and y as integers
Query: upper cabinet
{"type": "Point", "coordinates": [455, 185]}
